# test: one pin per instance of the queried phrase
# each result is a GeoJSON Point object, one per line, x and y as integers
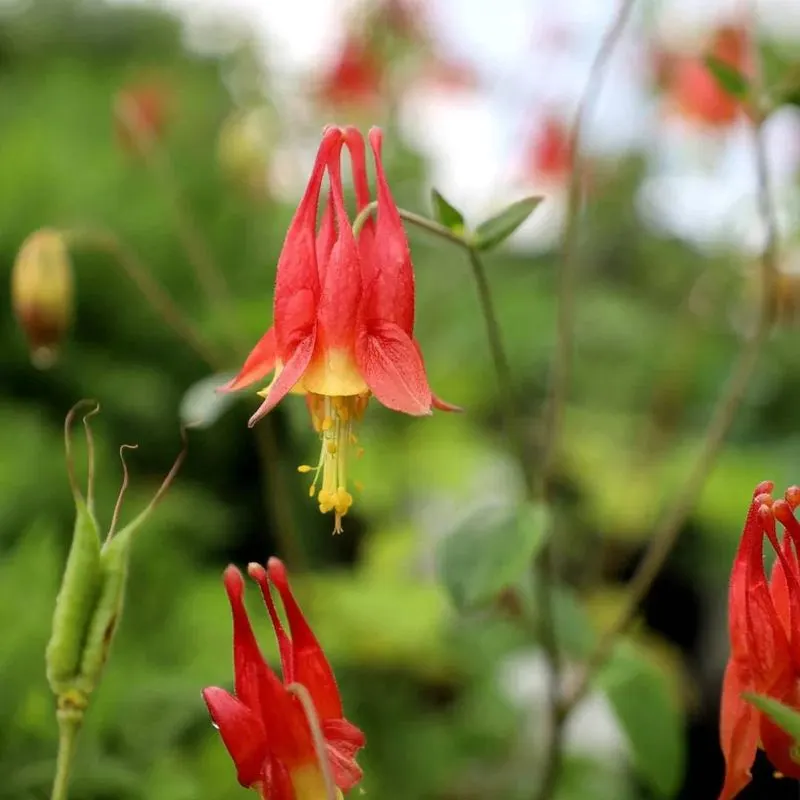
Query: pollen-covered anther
{"type": "Point", "coordinates": [304, 468]}
{"type": "Point", "coordinates": [335, 418]}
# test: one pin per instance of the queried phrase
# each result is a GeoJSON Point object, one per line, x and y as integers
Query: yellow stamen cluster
{"type": "Point", "coordinates": [334, 419]}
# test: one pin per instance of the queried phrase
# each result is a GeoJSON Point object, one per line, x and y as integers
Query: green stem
{"type": "Point", "coordinates": [68, 727]}
{"type": "Point", "coordinates": [498, 353]}
{"type": "Point", "coordinates": [500, 361]}
{"type": "Point", "coordinates": [312, 717]}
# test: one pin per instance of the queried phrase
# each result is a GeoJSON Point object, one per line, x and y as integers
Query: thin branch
{"type": "Point", "coordinates": [306, 701]}
{"type": "Point", "coordinates": [722, 417]}
{"type": "Point", "coordinates": [557, 399]}
{"type": "Point", "coordinates": [155, 294]}
{"type": "Point", "coordinates": [209, 277]}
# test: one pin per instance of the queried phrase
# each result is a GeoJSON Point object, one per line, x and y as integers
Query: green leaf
{"type": "Point", "coordinates": [447, 215]}
{"type": "Point", "coordinates": [786, 718]}
{"type": "Point", "coordinates": [639, 692]}
{"type": "Point", "coordinates": [479, 561]}
{"type": "Point", "coordinates": [202, 405]}
{"type": "Point", "coordinates": [498, 228]}
{"type": "Point", "coordinates": [729, 79]}
{"type": "Point", "coordinates": [787, 90]}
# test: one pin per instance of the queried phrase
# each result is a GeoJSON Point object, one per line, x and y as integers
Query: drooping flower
{"type": "Point", "coordinates": [140, 115]}
{"type": "Point", "coordinates": [549, 155]}
{"type": "Point", "coordinates": [693, 89]}
{"type": "Point", "coordinates": [356, 76]}
{"type": "Point", "coordinates": [343, 317]}
{"type": "Point", "coordinates": [264, 725]}
{"type": "Point", "coordinates": [764, 627]}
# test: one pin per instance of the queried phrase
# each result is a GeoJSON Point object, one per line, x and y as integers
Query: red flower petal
{"type": "Point", "coordinates": [257, 365]}
{"type": "Point", "coordinates": [339, 303]}
{"type": "Point", "coordinates": [259, 574]}
{"type": "Point", "coordinates": [311, 668]}
{"type": "Point", "coordinates": [738, 733]}
{"type": "Point", "coordinates": [343, 740]}
{"type": "Point", "coordinates": [392, 367]}
{"type": "Point", "coordinates": [437, 402]}
{"type": "Point", "coordinates": [390, 294]}
{"type": "Point", "coordinates": [241, 731]}
{"type": "Point", "coordinates": [290, 374]}
{"type": "Point", "coordinates": [355, 144]}
{"type": "Point", "coordinates": [297, 285]}
{"type": "Point", "coordinates": [326, 238]}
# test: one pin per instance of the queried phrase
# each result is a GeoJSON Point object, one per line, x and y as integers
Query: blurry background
{"type": "Point", "coordinates": [475, 98]}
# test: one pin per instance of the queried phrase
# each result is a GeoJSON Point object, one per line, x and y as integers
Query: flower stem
{"type": "Point", "coordinates": [556, 405]}
{"type": "Point", "coordinates": [68, 727]}
{"type": "Point", "coordinates": [304, 696]}
{"type": "Point", "coordinates": [155, 294]}
{"type": "Point", "coordinates": [722, 417]}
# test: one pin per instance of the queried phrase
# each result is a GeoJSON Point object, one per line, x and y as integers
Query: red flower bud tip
{"type": "Point", "coordinates": [140, 115]}
{"type": "Point", "coordinates": [343, 317]}
{"type": "Point", "coordinates": [264, 726]}
{"type": "Point", "coordinates": [549, 153]}
{"type": "Point", "coordinates": [764, 626]}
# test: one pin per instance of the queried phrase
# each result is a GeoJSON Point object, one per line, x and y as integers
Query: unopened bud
{"type": "Point", "coordinates": [140, 115]}
{"type": "Point", "coordinates": [42, 293]}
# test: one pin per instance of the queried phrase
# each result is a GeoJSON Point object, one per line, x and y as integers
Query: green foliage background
{"type": "Point", "coordinates": [419, 675]}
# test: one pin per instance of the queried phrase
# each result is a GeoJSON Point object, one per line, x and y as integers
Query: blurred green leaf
{"type": "Point", "coordinates": [786, 718]}
{"type": "Point", "coordinates": [203, 404]}
{"type": "Point", "coordinates": [447, 215]}
{"type": "Point", "coordinates": [479, 561]}
{"type": "Point", "coordinates": [498, 228]}
{"type": "Point", "coordinates": [787, 89]}
{"type": "Point", "coordinates": [729, 79]}
{"type": "Point", "coordinates": [639, 692]}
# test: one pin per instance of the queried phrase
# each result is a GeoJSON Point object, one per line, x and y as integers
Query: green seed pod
{"type": "Point", "coordinates": [76, 601]}
{"type": "Point", "coordinates": [107, 612]}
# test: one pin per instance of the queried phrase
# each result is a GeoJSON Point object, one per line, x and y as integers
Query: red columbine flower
{"type": "Point", "coordinates": [695, 90]}
{"type": "Point", "coordinates": [764, 625]}
{"type": "Point", "coordinates": [343, 317]}
{"type": "Point", "coordinates": [264, 726]}
{"type": "Point", "coordinates": [549, 153]}
{"type": "Point", "coordinates": [356, 77]}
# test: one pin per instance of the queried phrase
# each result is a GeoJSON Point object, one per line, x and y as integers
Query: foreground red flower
{"type": "Point", "coordinates": [264, 726]}
{"type": "Point", "coordinates": [765, 640]}
{"type": "Point", "coordinates": [343, 317]}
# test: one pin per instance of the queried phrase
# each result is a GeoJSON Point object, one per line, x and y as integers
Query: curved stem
{"type": "Point", "coordinates": [722, 417]}
{"type": "Point", "coordinates": [304, 696]}
{"type": "Point", "coordinates": [68, 728]}
{"type": "Point", "coordinates": [557, 400]}
{"type": "Point", "coordinates": [500, 361]}
{"type": "Point", "coordinates": [155, 294]}
{"type": "Point", "coordinates": [210, 278]}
